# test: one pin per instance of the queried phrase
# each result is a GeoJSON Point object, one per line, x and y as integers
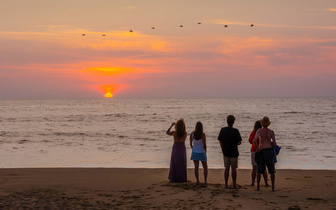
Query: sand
{"type": "Point", "coordinates": [115, 188]}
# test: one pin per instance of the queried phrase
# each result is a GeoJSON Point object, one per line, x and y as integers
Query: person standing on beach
{"type": "Point", "coordinates": [178, 161]}
{"type": "Point", "coordinates": [264, 141]}
{"type": "Point", "coordinates": [229, 138]}
{"type": "Point", "coordinates": [257, 126]}
{"type": "Point", "coordinates": [198, 145]}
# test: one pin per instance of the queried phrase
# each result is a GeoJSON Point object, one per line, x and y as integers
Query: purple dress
{"type": "Point", "coordinates": [178, 163]}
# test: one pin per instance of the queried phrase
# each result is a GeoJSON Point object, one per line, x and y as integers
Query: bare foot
{"type": "Point", "coordinates": [273, 189]}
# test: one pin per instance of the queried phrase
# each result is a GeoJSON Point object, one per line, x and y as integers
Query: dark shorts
{"type": "Point", "coordinates": [266, 159]}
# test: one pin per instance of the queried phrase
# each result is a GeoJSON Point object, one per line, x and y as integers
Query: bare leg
{"type": "Point", "coordinates": [226, 176]}
{"type": "Point", "coordinates": [258, 181]}
{"type": "Point", "coordinates": [265, 178]}
{"type": "Point", "coordinates": [196, 163]}
{"type": "Point", "coordinates": [234, 177]}
{"type": "Point", "coordinates": [253, 174]}
{"type": "Point", "coordinates": [205, 170]}
{"type": "Point", "coordinates": [273, 181]}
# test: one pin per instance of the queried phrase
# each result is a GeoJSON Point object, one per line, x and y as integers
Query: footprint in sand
{"type": "Point", "coordinates": [282, 196]}
{"type": "Point", "coordinates": [13, 175]}
{"type": "Point", "coordinates": [294, 208]}
{"type": "Point", "coordinates": [316, 199]}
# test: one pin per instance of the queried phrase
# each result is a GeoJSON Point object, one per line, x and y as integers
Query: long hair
{"type": "Point", "coordinates": [198, 131]}
{"type": "Point", "coordinates": [180, 128]}
{"type": "Point", "coordinates": [257, 125]}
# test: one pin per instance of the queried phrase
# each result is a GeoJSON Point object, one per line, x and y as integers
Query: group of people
{"type": "Point", "coordinates": [262, 140]}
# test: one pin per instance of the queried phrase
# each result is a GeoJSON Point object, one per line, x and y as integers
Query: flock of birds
{"type": "Point", "coordinates": [181, 26]}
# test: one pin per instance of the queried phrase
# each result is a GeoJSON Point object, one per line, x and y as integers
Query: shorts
{"type": "Point", "coordinates": [230, 161]}
{"type": "Point", "coordinates": [198, 156]}
{"type": "Point", "coordinates": [267, 159]}
{"type": "Point", "coordinates": [253, 162]}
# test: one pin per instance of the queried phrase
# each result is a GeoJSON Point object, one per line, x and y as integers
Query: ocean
{"type": "Point", "coordinates": [131, 133]}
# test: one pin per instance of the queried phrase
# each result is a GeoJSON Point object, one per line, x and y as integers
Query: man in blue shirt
{"type": "Point", "coordinates": [229, 139]}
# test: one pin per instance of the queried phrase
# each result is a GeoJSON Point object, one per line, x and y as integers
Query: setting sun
{"type": "Point", "coordinates": [108, 95]}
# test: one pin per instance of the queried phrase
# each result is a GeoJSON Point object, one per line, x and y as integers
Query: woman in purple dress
{"type": "Point", "coordinates": [178, 161]}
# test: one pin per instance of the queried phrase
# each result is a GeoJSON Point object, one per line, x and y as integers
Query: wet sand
{"type": "Point", "coordinates": [118, 188]}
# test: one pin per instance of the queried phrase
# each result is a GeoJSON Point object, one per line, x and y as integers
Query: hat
{"type": "Point", "coordinates": [265, 121]}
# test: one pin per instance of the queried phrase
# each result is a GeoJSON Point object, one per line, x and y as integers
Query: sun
{"type": "Point", "coordinates": [108, 95]}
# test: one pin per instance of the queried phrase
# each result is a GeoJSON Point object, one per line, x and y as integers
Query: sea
{"type": "Point", "coordinates": [131, 132]}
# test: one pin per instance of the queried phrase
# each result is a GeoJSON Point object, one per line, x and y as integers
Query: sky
{"type": "Point", "coordinates": [84, 48]}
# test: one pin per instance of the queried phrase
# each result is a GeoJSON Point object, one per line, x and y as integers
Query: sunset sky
{"type": "Point", "coordinates": [290, 50]}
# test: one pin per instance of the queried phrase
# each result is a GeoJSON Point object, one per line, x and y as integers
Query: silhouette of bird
{"type": "Point", "coordinates": [181, 26]}
{"type": "Point", "coordinates": [252, 25]}
{"type": "Point", "coordinates": [103, 35]}
{"type": "Point", "coordinates": [131, 31]}
{"type": "Point", "coordinates": [83, 34]}
{"type": "Point", "coordinates": [198, 23]}
{"type": "Point", "coordinates": [225, 26]}
{"type": "Point", "coordinates": [153, 27]}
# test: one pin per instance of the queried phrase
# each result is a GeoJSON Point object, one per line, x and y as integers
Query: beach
{"type": "Point", "coordinates": [136, 188]}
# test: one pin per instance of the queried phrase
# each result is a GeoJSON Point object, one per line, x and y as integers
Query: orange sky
{"type": "Point", "coordinates": [290, 50]}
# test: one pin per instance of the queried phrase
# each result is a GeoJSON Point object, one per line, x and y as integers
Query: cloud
{"type": "Point", "coordinates": [129, 8]}
{"type": "Point", "coordinates": [332, 9]}
{"type": "Point", "coordinates": [109, 71]}
{"type": "Point", "coordinates": [227, 22]}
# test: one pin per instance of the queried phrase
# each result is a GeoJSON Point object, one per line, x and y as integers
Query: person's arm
{"type": "Point", "coordinates": [256, 138]}
{"type": "Point", "coordinates": [251, 137]}
{"type": "Point", "coordinates": [273, 138]}
{"type": "Point", "coordinates": [191, 140]}
{"type": "Point", "coordinates": [185, 136]}
{"type": "Point", "coordinates": [204, 142]}
{"type": "Point", "coordinates": [168, 132]}
{"type": "Point", "coordinates": [239, 138]}
{"type": "Point", "coordinates": [219, 138]}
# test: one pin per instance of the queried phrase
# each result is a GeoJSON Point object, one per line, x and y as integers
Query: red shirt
{"type": "Point", "coordinates": [252, 135]}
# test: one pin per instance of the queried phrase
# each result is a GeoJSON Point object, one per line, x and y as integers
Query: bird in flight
{"type": "Point", "coordinates": [181, 26]}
